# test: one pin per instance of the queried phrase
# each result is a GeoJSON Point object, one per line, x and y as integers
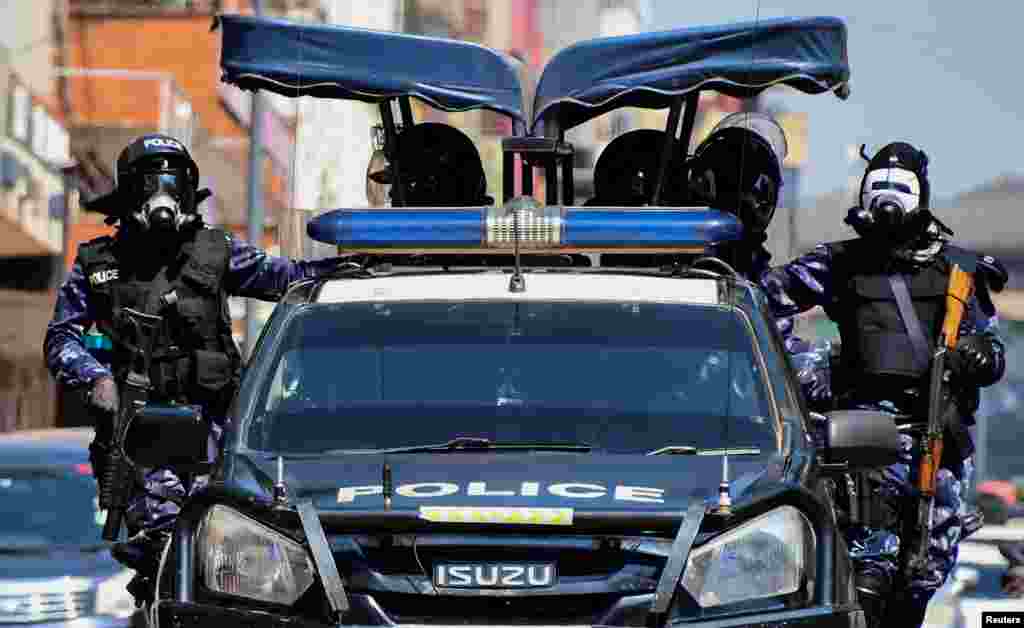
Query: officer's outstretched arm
{"type": "Point", "coordinates": [64, 350]}
{"type": "Point", "coordinates": [255, 274]}
{"type": "Point", "coordinates": [793, 288]}
{"type": "Point", "coordinates": [801, 284]}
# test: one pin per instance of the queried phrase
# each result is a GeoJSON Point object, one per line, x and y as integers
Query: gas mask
{"type": "Point", "coordinates": [165, 200]}
{"type": "Point", "coordinates": [891, 198]}
{"type": "Point", "coordinates": [894, 201]}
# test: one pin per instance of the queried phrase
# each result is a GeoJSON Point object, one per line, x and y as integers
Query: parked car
{"type": "Point", "coordinates": [54, 567]}
{"type": "Point", "coordinates": [976, 583]}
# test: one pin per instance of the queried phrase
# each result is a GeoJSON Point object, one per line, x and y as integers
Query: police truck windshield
{"type": "Point", "coordinates": [617, 377]}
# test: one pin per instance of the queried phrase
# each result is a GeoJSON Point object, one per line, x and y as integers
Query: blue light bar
{"type": "Point", "coordinates": [398, 228]}
{"type": "Point", "coordinates": [541, 229]}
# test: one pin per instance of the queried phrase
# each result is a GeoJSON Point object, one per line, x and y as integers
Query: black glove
{"type": "Point", "coordinates": [978, 360]}
{"type": "Point", "coordinates": [103, 395]}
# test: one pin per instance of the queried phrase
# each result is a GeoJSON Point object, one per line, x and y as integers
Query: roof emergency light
{"type": "Point", "coordinates": [551, 229]}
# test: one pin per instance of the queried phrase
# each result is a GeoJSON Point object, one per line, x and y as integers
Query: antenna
{"type": "Point", "coordinates": [280, 490]}
{"type": "Point", "coordinates": [724, 507]}
{"type": "Point", "coordinates": [388, 489]}
{"type": "Point", "coordinates": [746, 118]}
{"type": "Point", "coordinates": [724, 499]}
{"type": "Point", "coordinates": [516, 283]}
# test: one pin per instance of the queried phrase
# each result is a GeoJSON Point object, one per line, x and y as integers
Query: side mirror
{"type": "Point", "coordinates": [167, 436]}
{"type": "Point", "coordinates": [861, 439]}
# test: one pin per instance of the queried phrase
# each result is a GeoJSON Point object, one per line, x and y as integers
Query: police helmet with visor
{"type": "Point", "coordinates": [738, 168]}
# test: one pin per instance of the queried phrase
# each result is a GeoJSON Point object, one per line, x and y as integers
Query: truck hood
{"type": "Point", "coordinates": [581, 481]}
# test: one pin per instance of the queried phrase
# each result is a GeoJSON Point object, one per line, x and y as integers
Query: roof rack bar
{"type": "Point", "coordinates": [508, 176]}
{"type": "Point", "coordinates": [666, 150]}
{"type": "Point", "coordinates": [527, 170]}
{"type": "Point", "coordinates": [407, 117]}
{"type": "Point", "coordinates": [568, 184]}
{"type": "Point", "coordinates": [387, 116]}
{"type": "Point", "coordinates": [689, 119]}
{"type": "Point", "coordinates": [551, 183]}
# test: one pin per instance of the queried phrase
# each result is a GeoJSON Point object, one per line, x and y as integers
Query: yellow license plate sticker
{"type": "Point", "coordinates": [508, 516]}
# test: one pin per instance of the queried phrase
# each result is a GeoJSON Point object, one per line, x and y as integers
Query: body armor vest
{"type": "Point", "coordinates": [194, 357]}
{"type": "Point", "coordinates": [875, 338]}
{"type": "Point", "coordinates": [877, 356]}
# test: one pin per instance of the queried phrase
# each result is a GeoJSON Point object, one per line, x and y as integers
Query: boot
{"type": "Point", "coordinates": [142, 589]}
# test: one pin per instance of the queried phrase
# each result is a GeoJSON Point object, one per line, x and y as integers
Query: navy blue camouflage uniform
{"type": "Point", "coordinates": [810, 281]}
{"type": "Point", "coordinates": [251, 273]}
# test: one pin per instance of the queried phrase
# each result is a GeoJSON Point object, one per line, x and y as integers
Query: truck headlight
{"type": "Point", "coordinates": [241, 557]}
{"type": "Point", "coordinates": [770, 556]}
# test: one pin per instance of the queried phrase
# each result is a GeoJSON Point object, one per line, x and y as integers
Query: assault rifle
{"type": "Point", "coordinates": [958, 291]}
{"type": "Point", "coordinates": [118, 474]}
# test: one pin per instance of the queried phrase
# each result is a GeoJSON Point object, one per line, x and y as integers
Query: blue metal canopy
{"type": "Point", "coordinates": [649, 69]}
{"type": "Point", "coordinates": [296, 59]}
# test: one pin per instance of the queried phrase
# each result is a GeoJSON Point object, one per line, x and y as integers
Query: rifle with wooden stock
{"type": "Point", "coordinates": [958, 292]}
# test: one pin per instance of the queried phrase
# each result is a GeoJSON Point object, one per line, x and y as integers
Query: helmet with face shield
{"type": "Point", "coordinates": [439, 166]}
{"type": "Point", "coordinates": [738, 168]}
{"type": "Point", "coordinates": [627, 170]}
{"type": "Point", "coordinates": [156, 175]}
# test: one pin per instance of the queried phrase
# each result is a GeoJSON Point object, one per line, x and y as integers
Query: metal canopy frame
{"type": "Point", "coordinates": [551, 152]}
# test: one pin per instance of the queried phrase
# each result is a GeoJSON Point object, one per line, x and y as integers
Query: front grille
{"type": "Point", "coordinates": [45, 606]}
{"type": "Point", "coordinates": [543, 609]}
{"type": "Point", "coordinates": [570, 562]}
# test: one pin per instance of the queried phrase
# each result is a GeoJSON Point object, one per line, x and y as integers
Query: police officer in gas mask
{"type": "Point", "coordinates": [162, 260]}
{"type": "Point", "coordinates": [886, 292]}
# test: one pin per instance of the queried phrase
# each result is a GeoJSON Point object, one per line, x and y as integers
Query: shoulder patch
{"type": "Point", "coordinates": [996, 275]}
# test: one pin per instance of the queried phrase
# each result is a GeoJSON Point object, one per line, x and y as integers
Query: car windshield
{"type": "Point", "coordinates": [48, 506]}
{"type": "Point", "coordinates": [619, 377]}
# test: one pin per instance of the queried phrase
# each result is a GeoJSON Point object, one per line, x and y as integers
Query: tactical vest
{"type": "Point", "coordinates": [877, 360]}
{"type": "Point", "coordinates": [194, 359]}
{"type": "Point", "coordinates": [874, 336]}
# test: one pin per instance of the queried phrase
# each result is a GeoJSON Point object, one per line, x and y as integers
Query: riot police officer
{"type": "Point", "coordinates": [886, 291]}
{"type": "Point", "coordinates": [162, 260]}
{"type": "Point", "coordinates": [439, 167]}
{"type": "Point", "coordinates": [738, 169]}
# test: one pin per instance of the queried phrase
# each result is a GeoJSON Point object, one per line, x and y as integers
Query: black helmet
{"type": "Point", "coordinates": [738, 168]}
{"type": "Point", "coordinates": [894, 194]}
{"type": "Point", "coordinates": [155, 184]}
{"type": "Point", "coordinates": [158, 172]}
{"type": "Point", "coordinates": [627, 170]}
{"type": "Point", "coordinates": [440, 167]}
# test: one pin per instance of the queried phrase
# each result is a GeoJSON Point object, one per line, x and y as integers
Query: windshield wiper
{"type": "Point", "coordinates": [686, 450]}
{"type": "Point", "coordinates": [468, 443]}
